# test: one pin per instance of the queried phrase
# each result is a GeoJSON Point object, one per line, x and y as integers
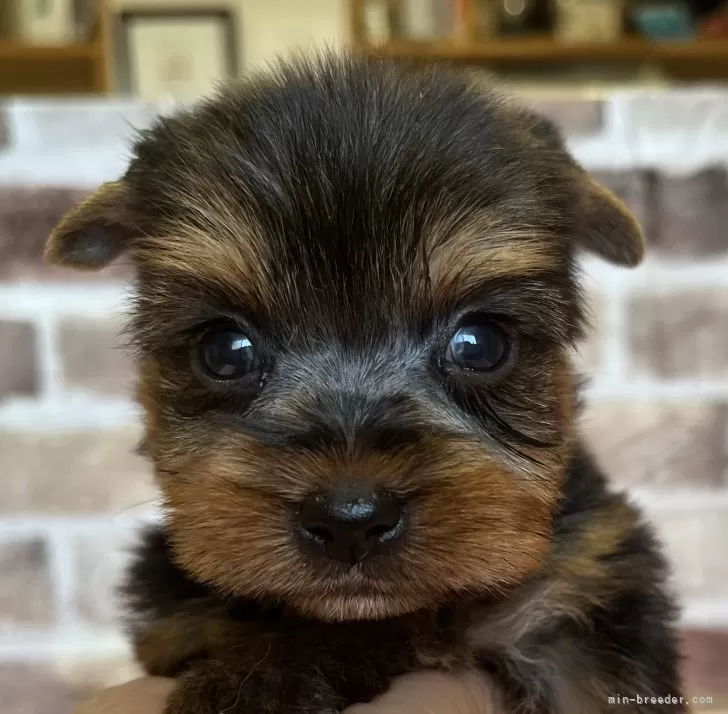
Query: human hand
{"type": "Point", "coordinates": [416, 693]}
{"type": "Point", "coordinates": [140, 696]}
{"type": "Point", "coordinates": [435, 693]}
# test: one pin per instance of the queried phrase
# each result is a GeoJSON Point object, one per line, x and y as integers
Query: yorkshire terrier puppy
{"type": "Point", "coordinates": [356, 298]}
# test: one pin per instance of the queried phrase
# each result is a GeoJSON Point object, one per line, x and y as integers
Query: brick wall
{"type": "Point", "coordinates": [74, 491]}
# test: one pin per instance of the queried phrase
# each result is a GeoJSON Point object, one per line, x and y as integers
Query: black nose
{"type": "Point", "coordinates": [351, 525]}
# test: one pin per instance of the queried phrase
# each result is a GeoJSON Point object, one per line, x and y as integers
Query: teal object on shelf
{"type": "Point", "coordinates": [664, 21]}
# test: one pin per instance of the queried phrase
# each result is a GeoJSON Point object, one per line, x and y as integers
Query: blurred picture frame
{"type": "Point", "coordinates": [178, 53]}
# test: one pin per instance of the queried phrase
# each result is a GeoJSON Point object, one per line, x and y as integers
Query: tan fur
{"type": "Point", "coordinates": [95, 232]}
{"type": "Point", "coordinates": [224, 251]}
{"type": "Point", "coordinates": [466, 254]}
{"type": "Point", "coordinates": [576, 579]}
{"type": "Point", "coordinates": [481, 527]}
{"type": "Point", "coordinates": [609, 228]}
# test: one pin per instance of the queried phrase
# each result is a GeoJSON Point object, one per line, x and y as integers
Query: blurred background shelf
{"type": "Point", "coordinates": [546, 49]}
{"type": "Point", "coordinates": [18, 52]}
{"type": "Point", "coordinates": [74, 68]}
{"type": "Point", "coordinates": [697, 51]}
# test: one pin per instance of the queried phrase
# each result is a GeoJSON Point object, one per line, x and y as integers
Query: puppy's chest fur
{"type": "Point", "coordinates": [594, 623]}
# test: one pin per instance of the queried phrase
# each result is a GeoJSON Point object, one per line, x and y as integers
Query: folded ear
{"type": "Point", "coordinates": [608, 227]}
{"type": "Point", "coordinates": [95, 232]}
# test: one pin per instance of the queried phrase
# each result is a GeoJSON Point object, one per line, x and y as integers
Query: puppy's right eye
{"type": "Point", "coordinates": [227, 354]}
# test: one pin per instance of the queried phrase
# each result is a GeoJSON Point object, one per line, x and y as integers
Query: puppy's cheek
{"type": "Point", "coordinates": [238, 539]}
{"type": "Point", "coordinates": [483, 529]}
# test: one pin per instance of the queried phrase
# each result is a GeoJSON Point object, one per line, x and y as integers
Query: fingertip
{"type": "Point", "coordinates": [140, 696]}
{"type": "Point", "coordinates": [431, 692]}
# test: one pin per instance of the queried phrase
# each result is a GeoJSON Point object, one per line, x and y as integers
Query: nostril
{"type": "Point", "coordinates": [377, 531]}
{"type": "Point", "coordinates": [387, 520]}
{"type": "Point", "coordinates": [320, 533]}
{"type": "Point", "coordinates": [382, 532]}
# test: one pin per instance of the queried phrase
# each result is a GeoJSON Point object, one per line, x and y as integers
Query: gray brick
{"type": "Point", "coordinates": [18, 362]}
{"type": "Point", "coordinates": [573, 116]}
{"type": "Point", "coordinates": [33, 688]}
{"type": "Point", "coordinates": [692, 214]}
{"type": "Point", "coordinates": [588, 355]}
{"type": "Point", "coordinates": [705, 655]}
{"type": "Point", "coordinates": [25, 586]}
{"type": "Point", "coordinates": [100, 558]}
{"type": "Point", "coordinates": [636, 189]}
{"type": "Point", "coordinates": [89, 675]}
{"type": "Point", "coordinates": [4, 129]}
{"type": "Point", "coordinates": [93, 357]}
{"type": "Point", "coordinates": [680, 334]}
{"type": "Point", "coordinates": [56, 684]}
{"type": "Point", "coordinates": [93, 471]}
{"type": "Point", "coordinates": [693, 540]}
{"type": "Point", "coordinates": [667, 445]}
{"type": "Point", "coordinates": [28, 214]}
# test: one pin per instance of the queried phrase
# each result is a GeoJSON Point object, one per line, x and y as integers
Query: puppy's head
{"type": "Point", "coordinates": [356, 296]}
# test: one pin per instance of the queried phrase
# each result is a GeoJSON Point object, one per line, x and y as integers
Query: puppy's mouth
{"type": "Point", "coordinates": [353, 605]}
{"type": "Point", "coordinates": [374, 577]}
{"type": "Point", "coordinates": [370, 589]}
{"type": "Point", "coordinates": [377, 588]}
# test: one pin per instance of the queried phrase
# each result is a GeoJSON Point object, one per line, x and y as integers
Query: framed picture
{"type": "Point", "coordinates": [178, 54]}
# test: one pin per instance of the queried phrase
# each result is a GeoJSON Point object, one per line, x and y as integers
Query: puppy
{"type": "Point", "coordinates": [357, 292]}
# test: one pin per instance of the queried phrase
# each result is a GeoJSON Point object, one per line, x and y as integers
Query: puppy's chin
{"type": "Point", "coordinates": [374, 606]}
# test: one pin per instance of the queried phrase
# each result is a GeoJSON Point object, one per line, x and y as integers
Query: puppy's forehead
{"type": "Point", "coordinates": [338, 183]}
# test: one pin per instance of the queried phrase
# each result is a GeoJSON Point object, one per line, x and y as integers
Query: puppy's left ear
{"type": "Point", "coordinates": [608, 228]}
{"type": "Point", "coordinates": [94, 233]}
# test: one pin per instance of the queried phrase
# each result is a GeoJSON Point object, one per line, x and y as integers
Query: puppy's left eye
{"type": "Point", "coordinates": [479, 344]}
{"type": "Point", "coordinates": [228, 354]}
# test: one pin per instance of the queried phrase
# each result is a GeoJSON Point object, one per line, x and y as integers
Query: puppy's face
{"type": "Point", "coordinates": [355, 302]}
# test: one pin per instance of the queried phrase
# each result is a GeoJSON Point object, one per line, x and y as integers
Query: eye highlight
{"type": "Point", "coordinates": [479, 344]}
{"type": "Point", "coordinates": [227, 353]}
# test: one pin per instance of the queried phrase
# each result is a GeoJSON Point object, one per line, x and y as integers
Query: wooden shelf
{"type": "Point", "coordinates": [698, 60]}
{"type": "Point", "coordinates": [10, 50]}
{"type": "Point", "coordinates": [546, 49]}
{"type": "Point", "coordinates": [80, 68]}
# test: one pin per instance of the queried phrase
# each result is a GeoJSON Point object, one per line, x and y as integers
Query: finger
{"type": "Point", "coordinates": [142, 696]}
{"type": "Point", "coordinates": [435, 693]}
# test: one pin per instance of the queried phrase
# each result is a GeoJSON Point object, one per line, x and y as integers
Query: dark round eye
{"type": "Point", "coordinates": [228, 354]}
{"type": "Point", "coordinates": [479, 344]}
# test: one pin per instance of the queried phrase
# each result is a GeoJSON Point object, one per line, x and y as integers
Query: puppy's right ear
{"type": "Point", "coordinates": [94, 233]}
